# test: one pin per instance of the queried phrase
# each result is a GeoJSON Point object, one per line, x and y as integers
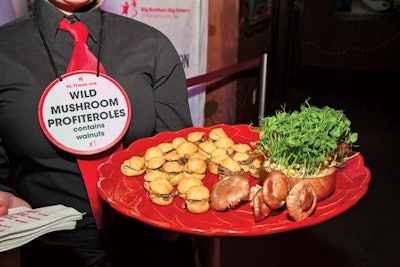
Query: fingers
{"type": "Point", "coordinates": [3, 208]}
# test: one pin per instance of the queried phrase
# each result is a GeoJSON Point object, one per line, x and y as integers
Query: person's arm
{"type": "Point", "coordinates": [170, 90]}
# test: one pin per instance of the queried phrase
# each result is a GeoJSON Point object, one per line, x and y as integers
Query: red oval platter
{"type": "Point", "coordinates": [128, 196]}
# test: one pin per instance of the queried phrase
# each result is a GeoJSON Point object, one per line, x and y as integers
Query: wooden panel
{"type": "Point", "coordinates": [222, 51]}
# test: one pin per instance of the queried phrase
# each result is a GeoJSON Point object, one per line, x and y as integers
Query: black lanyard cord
{"type": "Point", "coordinates": [100, 42]}
{"type": "Point", "coordinates": [53, 64]}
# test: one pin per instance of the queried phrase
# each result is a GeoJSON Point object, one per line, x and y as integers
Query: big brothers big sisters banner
{"type": "Point", "coordinates": [185, 22]}
{"type": "Point", "coordinates": [12, 9]}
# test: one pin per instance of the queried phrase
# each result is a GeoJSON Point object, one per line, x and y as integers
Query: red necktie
{"type": "Point", "coordinates": [82, 58]}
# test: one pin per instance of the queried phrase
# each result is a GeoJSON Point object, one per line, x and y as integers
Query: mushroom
{"type": "Point", "coordinates": [229, 191]}
{"type": "Point", "coordinates": [301, 201]}
{"type": "Point", "coordinates": [260, 209]}
{"type": "Point", "coordinates": [275, 189]}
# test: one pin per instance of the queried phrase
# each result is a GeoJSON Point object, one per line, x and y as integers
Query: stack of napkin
{"type": "Point", "coordinates": [23, 224]}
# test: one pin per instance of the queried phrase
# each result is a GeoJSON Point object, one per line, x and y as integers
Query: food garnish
{"type": "Point", "coordinates": [301, 143]}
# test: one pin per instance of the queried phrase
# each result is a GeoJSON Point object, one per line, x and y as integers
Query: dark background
{"type": "Point", "coordinates": [346, 60]}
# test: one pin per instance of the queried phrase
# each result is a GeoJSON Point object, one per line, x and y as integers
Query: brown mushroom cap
{"type": "Point", "coordinates": [324, 185]}
{"type": "Point", "coordinates": [260, 209]}
{"type": "Point", "coordinates": [275, 189]}
{"type": "Point", "coordinates": [228, 192]}
{"type": "Point", "coordinates": [301, 201]}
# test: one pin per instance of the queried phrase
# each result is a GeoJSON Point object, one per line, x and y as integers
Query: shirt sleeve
{"type": "Point", "coordinates": [4, 169]}
{"type": "Point", "coordinates": [170, 90]}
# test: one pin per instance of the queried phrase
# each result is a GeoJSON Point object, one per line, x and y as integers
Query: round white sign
{"type": "Point", "coordinates": [84, 114]}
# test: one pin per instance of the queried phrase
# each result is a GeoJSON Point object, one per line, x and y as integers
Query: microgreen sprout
{"type": "Point", "coordinates": [308, 140]}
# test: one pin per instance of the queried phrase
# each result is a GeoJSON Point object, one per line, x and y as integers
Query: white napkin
{"type": "Point", "coordinates": [23, 224]}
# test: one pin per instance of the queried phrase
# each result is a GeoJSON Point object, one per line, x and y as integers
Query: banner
{"type": "Point", "coordinates": [185, 23]}
{"type": "Point", "coordinates": [12, 9]}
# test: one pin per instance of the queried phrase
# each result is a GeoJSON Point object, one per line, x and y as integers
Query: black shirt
{"type": "Point", "coordinates": [139, 57]}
